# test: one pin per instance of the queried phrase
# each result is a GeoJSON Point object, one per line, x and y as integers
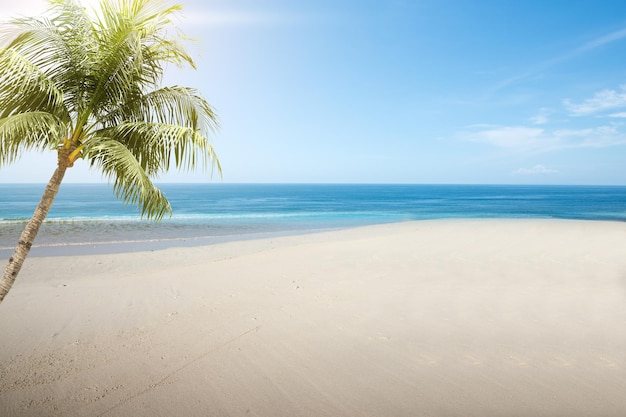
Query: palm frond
{"type": "Point", "coordinates": [130, 182]}
{"type": "Point", "coordinates": [79, 51]}
{"type": "Point", "coordinates": [38, 40]}
{"type": "Point", "coordinates": [172, 105]}
{"type": "Point", "coordinates": [28, 131]}
{"type": "Point", "coordinates": [134, 47]}
{"type": "Point", "coordinates": [149, 18]}
{"type": "Point", "coordinates": [25, 88]}
{"type": "Point", "coordinates": [94, 82]}
{"type": "Point", "coordinates": [158, 146]}
{"type": "Point", "coordinates": [62, 48]}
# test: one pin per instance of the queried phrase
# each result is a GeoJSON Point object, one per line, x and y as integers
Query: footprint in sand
{"type": "Point", "coordinates": [522, 363]}
{"type": "Point", "coordinates": [518, 360]}
{"type": "Point", "coordinates": [562, 361]}
{"type": "Point", "coordinates": [472, 360]}
{"type": "Point", "coordinates": [380, 338]}
{"type": "Point", "coordinates": [427, 360]}
{"type": "Point", "coordinates": [607, 362]}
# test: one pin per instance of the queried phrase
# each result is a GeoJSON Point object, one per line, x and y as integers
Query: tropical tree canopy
{"type": "Point", "coordinates": [88, 86]}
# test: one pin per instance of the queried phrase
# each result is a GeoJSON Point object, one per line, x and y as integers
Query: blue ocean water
{"type": "Point", "coordinates": [88, 215]}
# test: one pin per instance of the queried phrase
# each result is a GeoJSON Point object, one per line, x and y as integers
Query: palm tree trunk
{"type": "Point", "coordinates": [31, 229]}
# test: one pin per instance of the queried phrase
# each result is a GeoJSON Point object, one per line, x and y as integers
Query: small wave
{"type": "Point", "coordinates": [281, 215]}
{"type": "Point", "coordinates": [207, 238]}
{"type": "Point", "coordinates": [109, 242]}
{"type": "Point", "coordinates": [206, 216]}
{"type": "Point", "coordinates": [78, 219]}
{"type": "Point", "coordinates": [5, 220]}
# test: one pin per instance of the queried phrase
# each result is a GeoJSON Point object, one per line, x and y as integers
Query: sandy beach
{"type": "Point", "coordinates": [429, 318]}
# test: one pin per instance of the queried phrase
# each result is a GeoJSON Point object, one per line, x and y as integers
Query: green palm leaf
{"type": "Point", "coordinates": [158, 145]}
{"type": "Point", "coordinates": [28, 131]}
{"type": "Point", "coordinates": [90, 87]}
{"type": "Point", "coordinates": [26, 88]}
{"type": "Point", "coordinates": [174, 105]}
{"type": "Point", "coordinates": [131, 183]}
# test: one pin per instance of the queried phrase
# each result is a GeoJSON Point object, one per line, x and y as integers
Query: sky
{"type": "Point", "coordinates": [414, 91]}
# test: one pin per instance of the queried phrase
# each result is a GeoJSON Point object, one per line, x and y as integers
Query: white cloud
{"type": "Point", "coordinates": [602, 100]}
{"type": "Point", "coordinates": [619, 115]}
{"type": "Point", "coordinates": [536, 170]}
{"type": "Point", "coordinates": [535, 139]}
{"type": "Point", "coordinates": [598, 137]}
{"type": "Point", "coordinates": [507, 136]}
{"type": "Point", "coordinates": [541, 118]}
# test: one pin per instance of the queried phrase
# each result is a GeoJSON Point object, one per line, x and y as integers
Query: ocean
{"type": "Point", "coordinates": [87, 218]}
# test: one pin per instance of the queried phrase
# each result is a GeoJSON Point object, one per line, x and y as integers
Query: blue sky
{"type": "Point", "coordinates": [423, 91]}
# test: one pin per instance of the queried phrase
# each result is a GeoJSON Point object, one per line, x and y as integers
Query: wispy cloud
{"type": "Point", "coordinates": [534, 139]}
{"type": "Point", "coordinates": [601, 41]}
{"type": "Point", "coordinates": [536, 170]}
{"type": "Point", "coordinates": [602, 100]}
{"type": "Point", "coordinates": [621, 115]}
{"type": "Point", "coordinates": [558, 59]}
{"type": "Point", "coordinates": [541, 118]}
{"type": "Point", "coordinates": [506, 136]}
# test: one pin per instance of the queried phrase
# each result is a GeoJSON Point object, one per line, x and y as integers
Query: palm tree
{"type": "Point", "coordinates": [88, 86]}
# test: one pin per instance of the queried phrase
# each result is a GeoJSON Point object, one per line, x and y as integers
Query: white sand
{"type": "Point", "coordinates": [435, 318]}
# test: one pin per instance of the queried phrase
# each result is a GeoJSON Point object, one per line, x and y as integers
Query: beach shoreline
{"type": "Point", "coordinates": [87, 219]}
{"type": "Point", "coordinates": [149, 245]}
{"type": "Point", "coordinates": [112, 247]}
{"type": "Point", "coordinates": [452, 317]}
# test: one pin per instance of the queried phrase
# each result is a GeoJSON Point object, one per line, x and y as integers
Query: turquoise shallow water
{"type": "Point", "coordinates": [88, 215]}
